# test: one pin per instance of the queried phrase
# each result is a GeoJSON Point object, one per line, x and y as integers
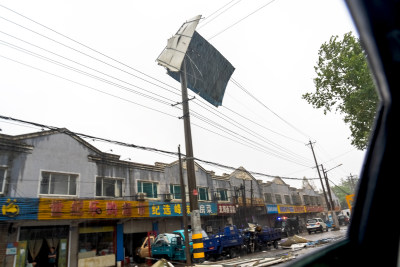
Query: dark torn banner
{"type": "Point", "coordinates": [207, 70]}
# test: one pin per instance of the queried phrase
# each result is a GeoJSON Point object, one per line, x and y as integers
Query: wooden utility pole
{"type": "Point", "coordinates": [198, 253]}
{"type": "Point", "coordinates": [184, 212]}
{"type": "Point", "coordinates": [319, 174]}
{"type": "Point", "coordinates": [335, 219]}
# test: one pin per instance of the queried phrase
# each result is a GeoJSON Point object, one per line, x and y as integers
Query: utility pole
{"type": "Point", "coordinates": [184, 212]}
{"type": "Point", "coordinates": [319, 174]}
{"type": "Point", "coordinates": [197, 238]}
{"type": "Point", "coordinates": [335, 219]}
{"type": "Point", "coordinates": [244, 193]}
{"type": "Point", "coordinates": [251, 193]}
{"type": "Point", "coordinates": [351, 182]}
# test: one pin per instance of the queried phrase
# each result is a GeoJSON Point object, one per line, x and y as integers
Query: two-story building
{"type": "Point", "coordinates": [57, 190]}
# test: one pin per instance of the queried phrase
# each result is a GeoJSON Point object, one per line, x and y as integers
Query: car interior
{"type": "Point", "coordinates": [368, 243]}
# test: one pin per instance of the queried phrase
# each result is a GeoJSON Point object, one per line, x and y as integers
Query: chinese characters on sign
{"type": "Point", "coordinates": [226, 209]}
{"type": "Point", "coordinates": [271, 208]}
{"type": "Point", "coordinates": [161, 209]}
{"type": "Point", "coordinates": [90, 208]}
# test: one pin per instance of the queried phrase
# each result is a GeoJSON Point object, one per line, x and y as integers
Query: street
{"type": "Point", "coordinates": [318, 240]}
{"type": "Point", "coordinates": [279, 256]}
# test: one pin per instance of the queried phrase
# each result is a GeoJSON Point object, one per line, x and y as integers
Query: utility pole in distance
{"type": "Point", "coordinates": [319, 174]}
{"type": "Point", "coordinates": [335, 219]}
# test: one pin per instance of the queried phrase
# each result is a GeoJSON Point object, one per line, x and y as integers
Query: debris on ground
{"type": "Point", "coordinates": [162, 263]}
{"type": "Point", "coordinates": [258, 262]}
{"type": "Point", "coordinates": [288, 242]}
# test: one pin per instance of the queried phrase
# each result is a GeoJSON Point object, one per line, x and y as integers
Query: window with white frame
{"type": "Point", "coordinates": [203, 193]}
{"type": "Point", "coordinates": [150, 188]}
{"type": "Point", "coordinates": [222, 194]}
{"type": "Point", "coordinates": [3, 173]}
{"type": "Point", "coordinates": [175, 190]}
{"type": "Point", "coordinates": [109, 187]}
{"type": "Point", "coordinates": [55, 183]}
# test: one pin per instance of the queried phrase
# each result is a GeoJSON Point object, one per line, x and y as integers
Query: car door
{"type": "Point", "coordinates": [378, 25]}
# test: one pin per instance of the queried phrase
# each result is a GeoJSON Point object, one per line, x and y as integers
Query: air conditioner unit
{"type": "Point", "coordinates": [168, 197]}
{"type": "Point", "coordinates": [141, 196]}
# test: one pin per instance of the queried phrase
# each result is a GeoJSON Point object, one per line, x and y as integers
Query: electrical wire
{"type": "Point", "coordinates": [54, 40]}
{"type": "Point", "coordinates": [237, 22]}
{"type": "Point", "coordinates": [68, 132]}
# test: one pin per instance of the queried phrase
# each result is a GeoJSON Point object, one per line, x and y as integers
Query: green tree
{"type": "Point", "coordinates": [344, 84]}
{"type": "Point", "coordinates": [346, 187]}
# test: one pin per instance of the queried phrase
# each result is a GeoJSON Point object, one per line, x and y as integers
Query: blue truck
{"type": "Point", "coordinates": [171, 246]}
{"type": "Point", "coordinates": [229, 242]}
{"type": "Point", "coordinates": [257, 238]}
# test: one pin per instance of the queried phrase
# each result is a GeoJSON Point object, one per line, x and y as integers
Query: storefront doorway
{"type": "Point", "coordinates": [40, 239]}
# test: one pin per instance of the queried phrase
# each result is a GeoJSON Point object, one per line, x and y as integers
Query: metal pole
{"type": "Point", "coordinates": [197, 238]}
{"type": "Point", "coordinates": [184, 213]}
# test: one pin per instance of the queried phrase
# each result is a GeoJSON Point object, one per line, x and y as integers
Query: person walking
{"type": "Point", "coordinates": [52, 257]}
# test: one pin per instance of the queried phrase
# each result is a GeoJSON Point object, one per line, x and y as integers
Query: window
{"type": "Point", "coordinates": [203, 193]}
{"type": "Point", "coordinates": [150, 188]}
{"type": "Point", "coordinates": [287, 199]}
{"type": "Point", "coordinates": [108, 187]}
{"type": "Point", "coordinates": [3, 172]}
{"type": "Point", "coordinates": [58, 184]}
{"type": "Point", "coordinates": [93, 242]}
{"type": "Point", "coordinates": [306, 200]}
{"type": "Point", "coordinates": [278, 199]}
{"type": "Point", "coordinates": [268, 197]}
{"type": "Point", "coordinates": [222, 194]}
{"type": "Point", "coordinates": [175, 190]}
{"type": "Point", "coordinates": [296, 199]}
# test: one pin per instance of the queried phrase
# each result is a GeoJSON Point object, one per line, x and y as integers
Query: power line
{"type": "Point", "coordinates": [68, 132]}
{"type": "Point", "coordinates": [77, 50]}
{"type": "Point", "coordinates": [89, 87]}
{"type": "Point", "coordinates": [96, 51]}
{"type": "Point", "coordinates": [265, 106]}
{"type": "Point", "coordinates": [258, 9]}
{"type": "Point", "coordinates": [209, 20]}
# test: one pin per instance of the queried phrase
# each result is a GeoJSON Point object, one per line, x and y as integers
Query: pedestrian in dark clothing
{"type": "Point", "coordinates": [52, 257]}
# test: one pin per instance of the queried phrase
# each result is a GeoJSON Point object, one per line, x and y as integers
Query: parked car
{"type": "Point", "coordinates": [343, 219]}
{"type": "Point", "coordinates": [316, 224]}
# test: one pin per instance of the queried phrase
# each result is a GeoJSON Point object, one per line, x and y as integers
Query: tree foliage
{"type": "Point", "coordinates": [346, 187]}
{"type": "Point", "coordinates": [344, 84]}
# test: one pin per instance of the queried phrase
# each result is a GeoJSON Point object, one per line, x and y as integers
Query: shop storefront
{"type": "Point", "coordinates": [215, 224]}
{"type": "Point", "coordinates": [97, 235]}
{"type": "Point", "coordinates": [39, 239]}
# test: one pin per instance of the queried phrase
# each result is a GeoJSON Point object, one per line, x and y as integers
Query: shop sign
{"type": "Point", "coordinates": [256, 202]}
{"type": "Point", "coordinates": [272, 209]}
{"type": "Point", "coordinates": [208, 208]}
{"type": "Point", "coordinates": [166, 209]}
{"type": "Point", "coordinates": [291, 209]}
{"type": "Point", "coordinates": [226, 209]}
{"type": "Point", "coordinates": [162, 209]}
{"type": "Point", "coordinates": [314, 208]}
{"type": "Point", "coordinates": [12, 248]}
{"type": "Point", "coordinates": [19, 209]}
{"type": "Point", "coordinates": [91, 209]}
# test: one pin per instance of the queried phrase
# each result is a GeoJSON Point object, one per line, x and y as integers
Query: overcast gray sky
{"type": "Point", "coordinates": [90, 66]}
